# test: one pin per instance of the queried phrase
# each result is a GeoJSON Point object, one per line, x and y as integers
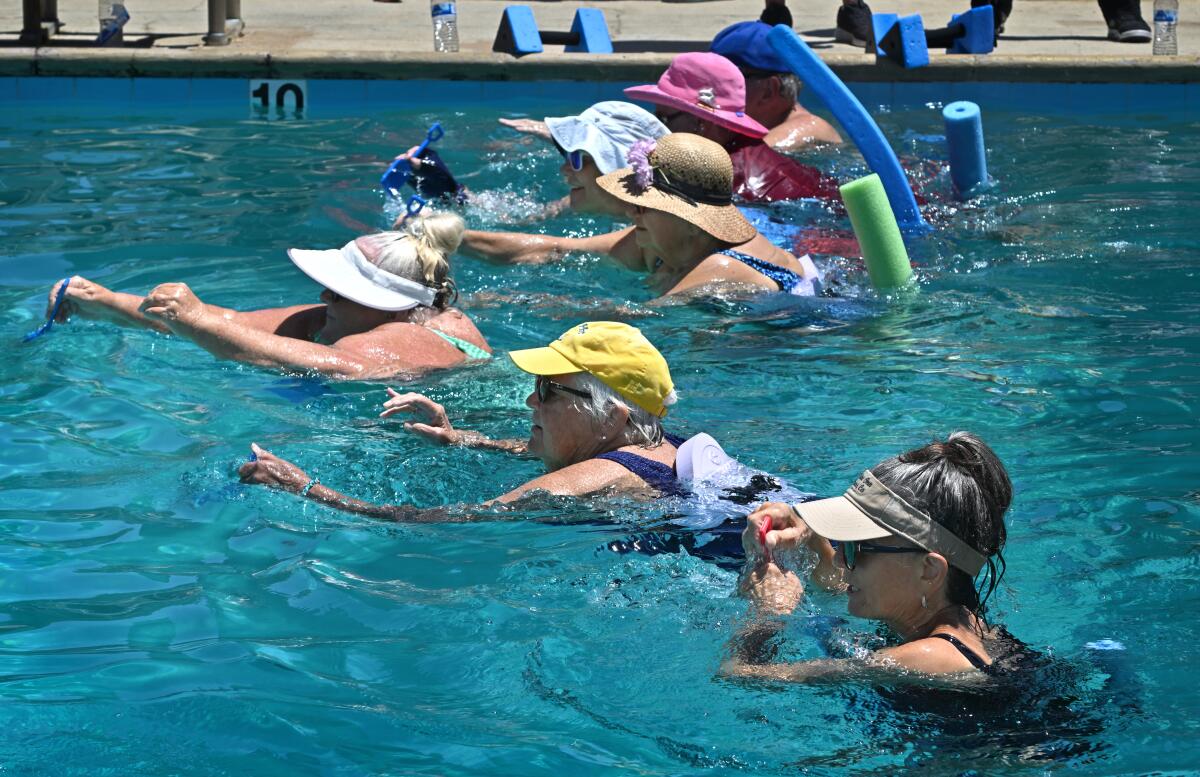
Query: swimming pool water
{"type": "Point", "coordinates": [158, 618]}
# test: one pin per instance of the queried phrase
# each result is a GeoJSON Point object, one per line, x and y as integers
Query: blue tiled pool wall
{"type": "Point", "coordinates": [336, 97]}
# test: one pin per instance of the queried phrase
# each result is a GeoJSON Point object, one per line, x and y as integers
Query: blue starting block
{"type": "Point", "coordinates": [904, 40]}
{"type": "Point", "coordinates": [519, 35]}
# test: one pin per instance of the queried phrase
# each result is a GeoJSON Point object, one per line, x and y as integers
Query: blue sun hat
{"type": "Point", "coordinates": [606, 131]}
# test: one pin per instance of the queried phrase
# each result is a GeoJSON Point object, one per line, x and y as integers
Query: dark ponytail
{"type": "Point", "coordinates": [961, 484]}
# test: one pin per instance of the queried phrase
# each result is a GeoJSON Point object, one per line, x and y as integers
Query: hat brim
{"type": "Point", "coordinates": [840, 520]}
{"type": "Point", "coordinates": [543, 361]}
{"type": "Point", "coordinates": [724, 222]}
{"type": "Point", "coordinates": [333, 270]}
{"type": "Point", "coordinates": [574, 134]}
{"type": "Point", "coordinates": [741, 124]}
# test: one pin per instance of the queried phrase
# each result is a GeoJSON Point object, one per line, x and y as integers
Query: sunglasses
{"type": "Point", "coordinates": [574, 158]}
{"type": "Point", "coordinates": [545, 388]}
{"type": "Point", "coordinates": [851, 550]}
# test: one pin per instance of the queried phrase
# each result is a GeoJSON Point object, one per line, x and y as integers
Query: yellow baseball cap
{"type": "Point", "coordinates": [618, 354]}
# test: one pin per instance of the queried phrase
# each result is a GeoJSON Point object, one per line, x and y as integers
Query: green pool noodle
{"type": "Point", "coordinates": [878, 235]}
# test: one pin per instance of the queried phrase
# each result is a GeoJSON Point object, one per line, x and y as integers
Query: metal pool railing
{"type": "Point", "coordinates": [40, 21]}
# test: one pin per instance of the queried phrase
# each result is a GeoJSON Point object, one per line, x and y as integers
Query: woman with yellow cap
{"type": "Point", "coordinates": [598, 400]}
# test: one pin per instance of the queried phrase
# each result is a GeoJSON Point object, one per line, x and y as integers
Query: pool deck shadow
{"type": "Point", "coordinates": [1060, 41]}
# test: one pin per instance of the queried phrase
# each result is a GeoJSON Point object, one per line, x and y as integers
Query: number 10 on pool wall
{"type": "Point", "coordinates": [278, 99]}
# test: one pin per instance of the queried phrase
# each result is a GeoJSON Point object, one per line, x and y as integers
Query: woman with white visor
{"type": "Point", "coordinates": [386, 310]}
{"type": "Point", "coordinates": [907, 543]}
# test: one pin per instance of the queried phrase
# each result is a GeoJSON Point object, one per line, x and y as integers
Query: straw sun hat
{"type": "Point", "coordinates": [687, 176]}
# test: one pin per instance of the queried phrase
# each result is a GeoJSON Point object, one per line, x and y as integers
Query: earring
{"type": "Point", "coordinates": [924, 603]}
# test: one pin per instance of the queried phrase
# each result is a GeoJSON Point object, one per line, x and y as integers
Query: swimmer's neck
{"type": "Point", "coordinates": [923, 622]}
{"type": "Point", "coordinates": [673, 265]}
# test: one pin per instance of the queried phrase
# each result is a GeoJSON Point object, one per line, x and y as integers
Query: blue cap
{"type": "Point", "coordinates": [745, 44]}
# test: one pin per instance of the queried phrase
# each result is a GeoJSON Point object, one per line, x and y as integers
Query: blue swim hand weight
{"type": "Point", "coordinates": [58, 301]}
{"type": "Point", "coordinates": [400, 173]}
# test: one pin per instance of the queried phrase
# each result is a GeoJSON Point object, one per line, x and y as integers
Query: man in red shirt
{"type": "Point", "coordinates": [705, 94]}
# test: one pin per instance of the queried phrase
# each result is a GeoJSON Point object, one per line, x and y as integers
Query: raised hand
{"type": "Point", "coordinates": [413, 160]}
{"type": "Point", "coordinates": [773, 526]}
{"type": "Point", "coordinates": [434, 426]}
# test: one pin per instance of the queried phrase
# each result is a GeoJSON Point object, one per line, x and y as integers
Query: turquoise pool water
{"type": "Point", "coordinates": [157, 618]}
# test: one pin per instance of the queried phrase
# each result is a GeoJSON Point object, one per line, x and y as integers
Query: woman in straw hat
{"type": "Point", "coordinates": [687, 233]}
{"type": "Point", "coordinates": [386, 310]}
{"type": "Point", "coordinates": [917, 543]}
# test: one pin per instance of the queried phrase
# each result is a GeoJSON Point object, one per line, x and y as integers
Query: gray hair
{"type": "Point", "coordinates": [789, 86]}
{"type": "Point", "coordinates": [421, 252]}
{"type": "Point", "coordinates": [645, 429]}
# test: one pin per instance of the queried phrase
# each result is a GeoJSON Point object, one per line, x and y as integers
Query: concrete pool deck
{"type": "Point", "coordinates": [1044, 41]}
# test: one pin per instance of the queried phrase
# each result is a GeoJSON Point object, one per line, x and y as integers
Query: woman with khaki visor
{"type": "Point", "coordinates": [907, 543]}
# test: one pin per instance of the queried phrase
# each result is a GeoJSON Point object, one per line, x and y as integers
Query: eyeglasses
{"type": "Point", "coordinates": [546, 387]}
{"type": "Point", "coordinates": [574, 158]}
{"type": "Point", "coordinates": [851, 550]}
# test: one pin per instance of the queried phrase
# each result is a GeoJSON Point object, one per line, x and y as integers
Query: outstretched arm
{"type": "Point", "coordinates": [228, 337]}
{"type": "Point", "coordinates": [88, 299]}
{"type": "Point", "coordinates": [267, 469]}
{"type": "Point", "coordinates": [523, 248]}
{"type": "Point", "coordinates": [436, 426]}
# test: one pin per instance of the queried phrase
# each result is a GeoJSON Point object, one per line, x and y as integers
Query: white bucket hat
{"type": "Point", "coordinates": [606, 132]}
{"type": "Point", "coordinates": [348, 273]}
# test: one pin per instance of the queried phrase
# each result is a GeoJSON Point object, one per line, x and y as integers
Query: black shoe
{"type": "Point", "coordinates": [1000, 11]}
{"type": "Point", "coordinates": [854, 24]}
{"type": "Point", "coordinates": [776, 13]}
{"type": "Point", "coordinates": [1125, 22]}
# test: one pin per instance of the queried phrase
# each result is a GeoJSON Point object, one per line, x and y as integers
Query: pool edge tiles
{"type": "Point", "coordinates": [333, 97]}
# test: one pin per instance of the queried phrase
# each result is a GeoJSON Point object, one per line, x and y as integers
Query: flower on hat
{"type": "Point", "coordinates": [707, 98]}
{"type": "Point", "coordinates": [639, 160]}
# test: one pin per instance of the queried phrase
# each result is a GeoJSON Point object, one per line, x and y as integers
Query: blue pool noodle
{"type": "Point", "coordinates": [858, 124]}
{"type": "Point", "coordinates": [964, 136]}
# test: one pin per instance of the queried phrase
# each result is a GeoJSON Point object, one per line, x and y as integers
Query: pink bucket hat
{"type": "Point", "coordinates": [705, 85]}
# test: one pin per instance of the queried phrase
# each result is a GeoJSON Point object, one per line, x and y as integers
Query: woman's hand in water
{"type": "Point", "coordinates": [528, 127]}
{"type": "Point", "coordinates": [435, 426]}
{"type": "Point", "coordinates": [174, 304]}
{"type": "Point", "coordinates": [772, 590]}
{"type": "Point", "coordinates": [786, 530]}
{"type": "Point", "coordinates": [270, 470]}
{"type": "Point", "coordinates": [82, 298]}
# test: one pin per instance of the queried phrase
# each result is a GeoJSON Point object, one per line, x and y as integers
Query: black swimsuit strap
{"type": "Point", "coordinates": [968, 654]}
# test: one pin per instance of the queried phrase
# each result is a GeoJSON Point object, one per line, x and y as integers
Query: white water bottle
{"type": "Point", "coordinates": [1166, 17]}
{"type": "Point", "coordinates": [445, 25]}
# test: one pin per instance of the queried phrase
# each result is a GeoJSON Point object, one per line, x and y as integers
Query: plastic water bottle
{"type": "Point", "coordinates": [445, 25]}
{"type": "Point", "coordinates": [1166, 17]}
